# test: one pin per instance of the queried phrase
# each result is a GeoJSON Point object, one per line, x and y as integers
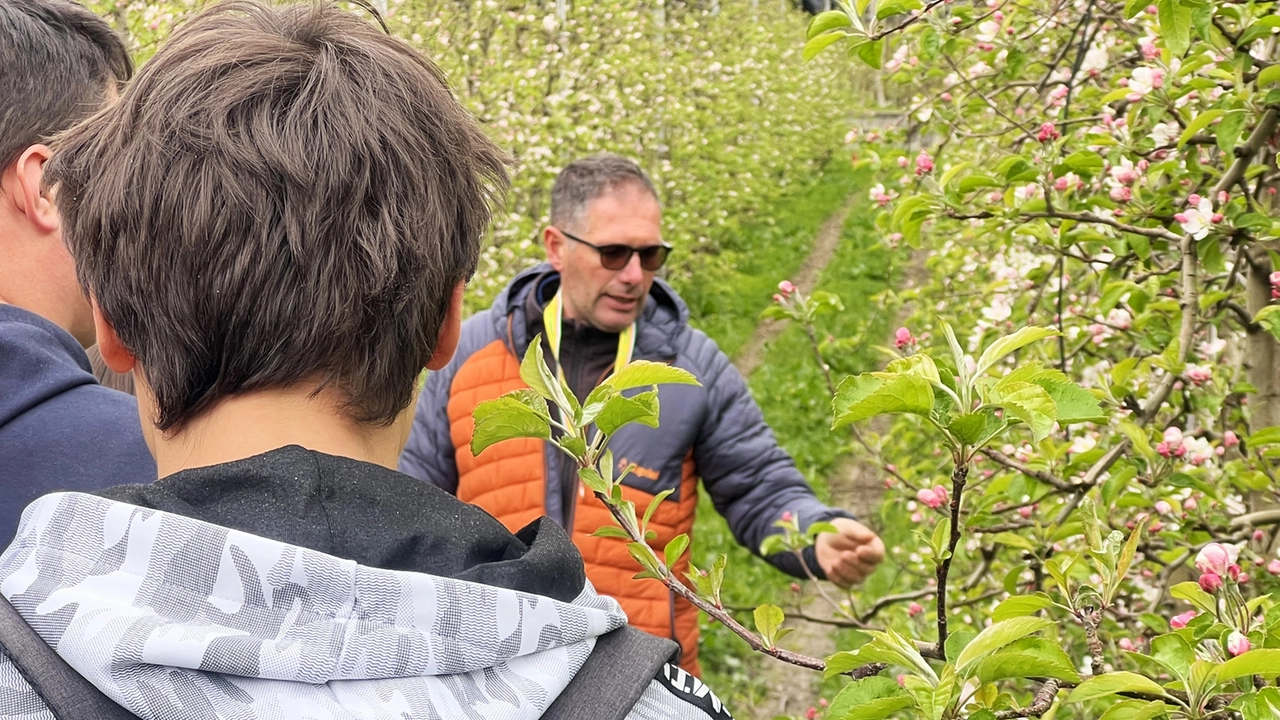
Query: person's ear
{"type": "Point", "coordinates": [32, 201]}
{"type": "Point", "coordinates": [450, 331]}
{"type": "Point", "coordinates": [114, 353]}
{"type": "Point", "coordinates": [554, 241]}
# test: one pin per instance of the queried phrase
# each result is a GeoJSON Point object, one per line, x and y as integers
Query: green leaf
{"type": "Point", "coordinates": [818, 43]}
{"type": "Point", "coordinates": [1269, 316]}
{"type": "Point", "coordinates": [654, 504]}
{"type": "Point", "coordinates": [521, 413]}
{"type": "Point", "coordinates": [1014, 540]}
{"type": "Point", "coordinates": [1269, 75]}
{"type": "Point", "coordinates": [829, 20]}
{"type": "Point", "coordinates": [1032, 405]}
{"type": "Point", "coordinates": [1073, 403]}
{"type": "Point", "coordinates": [872, 53]}
{"type": "Point", "coordinates": [535, 373]}
{"type": "Point", "coordinates": [1010, 343]}
{"type": "Point", "coordinates": [1263, 661]}
{"type": "Point", "coordinates": [918, 365]}
{"type": "Point", "coordinates": [871, 698]}
{"type": "Point", "coordinates": [611, 531]}
{"type": "Point", "coordinates": [644, 556]}
{"type": "Point", "coordinates": [969, 183]}
{"type": "Point", "coordinates": [1265, 436]}
{"type": "Point", "coordinates": [593, 480]}
{"type": "Point", "coordinates": [996, 637]}
{"type": "Point", "coordinates": [1133, 7]}
{"type": "Point", "coordinates": [1200, 122]}
{"type": "Point", "coordinates": [969, 429]}
{"type": "Point", "coordinates": [1174, 653]}
{"type": "Point", "coordinates": [1114, 682]}
{"type": "Point", "coordinates": [884, 647]}
{"type": "Point", "coordinates": [889, 8]}
{"type": "Point", "coordinates": [1020, 606]}
{"type": "Point", "coordinates": [768, 619]}
{"type": "Point", "coordinates": [1127, 554]}
{"type": "Point", "coordinates": [1028, 658]}
{"type": "Point", "coordinates": [645, 373]}
{"type": "Point", "coordinates": [1191, 592]}
{"type": "Point", "coordinates": [1085, 162]}
{"type": "Point", "coordinates": [674, 549]}
{"type": "Point", "coordinates": [620, 411]}
{"type": "Point", "coordinates": [865, 396]}
{"type": "Point", "coordinates": [1175, 25]}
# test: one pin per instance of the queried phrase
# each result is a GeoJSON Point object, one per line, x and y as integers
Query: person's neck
{"type": "Point", "coordinates": [258, 422]}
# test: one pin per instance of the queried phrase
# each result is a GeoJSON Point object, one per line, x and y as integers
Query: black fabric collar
{"type": "Point", "coordinates": [369, 514]}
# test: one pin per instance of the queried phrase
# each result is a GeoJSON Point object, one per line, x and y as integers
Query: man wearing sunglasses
{"type": "Point", "coordinates": [597, 305]}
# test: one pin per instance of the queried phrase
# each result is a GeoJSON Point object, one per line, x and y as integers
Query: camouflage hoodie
{"type": "Point", "coordinates": [174, 617]}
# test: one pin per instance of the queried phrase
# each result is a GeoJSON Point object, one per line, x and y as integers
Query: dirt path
{"type": "Point", "coordinates": [806, 278]}
{"type": "Point", "coordinates": [790, 690]}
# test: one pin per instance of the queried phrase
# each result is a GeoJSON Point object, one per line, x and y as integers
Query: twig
{"type": "Point", "coordinates": [958, 478]}
{"type": "Point", "coordinates": [1041, 475]}
{"type": "Point", "coordinates": [1039, 705]}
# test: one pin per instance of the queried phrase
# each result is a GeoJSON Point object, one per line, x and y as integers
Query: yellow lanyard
{"type": "Point", "coordinates": [551, 321]}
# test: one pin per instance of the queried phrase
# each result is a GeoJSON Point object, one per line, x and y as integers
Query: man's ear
{"type": "Point", "coordinates": [113, 352]}
{"type": "Point", "coordinates": [450, 331]}
{"type": "Point", "coordinates": [32, 201]}
{"type": "Point", "coordinates": [554, 241]}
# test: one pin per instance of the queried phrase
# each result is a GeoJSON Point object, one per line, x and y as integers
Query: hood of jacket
{"type": "Point", "coordinates": [662, 320]}
{"type": "Point", "coordinates": [173, 617]}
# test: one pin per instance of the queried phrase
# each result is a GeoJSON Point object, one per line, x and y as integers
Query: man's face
{"type": "Point", "coordinates": [608, 299]}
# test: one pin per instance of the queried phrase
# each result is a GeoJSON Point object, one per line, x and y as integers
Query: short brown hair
{"type": "Point", "coordinates": [586, 179]}
{"type": "Point", "coordinates": [58, 59]}
{"type": "Point", "coordinates": [284, 195]}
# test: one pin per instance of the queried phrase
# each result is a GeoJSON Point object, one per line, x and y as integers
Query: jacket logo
{"type": "Point", "coordinates": [638, 471]}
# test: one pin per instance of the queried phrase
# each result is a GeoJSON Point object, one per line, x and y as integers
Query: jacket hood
{"type": "Point", "coordinates": [173, 617]}
{"type": "Point", "coordinates": [663, 317]}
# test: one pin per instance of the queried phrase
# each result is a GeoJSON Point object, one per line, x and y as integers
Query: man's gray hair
{"type": "Point", "coordinates": [584, 180]}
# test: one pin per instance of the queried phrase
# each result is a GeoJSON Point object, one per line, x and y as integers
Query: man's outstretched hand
{"type": "Point", "coordinates": [849, 556]}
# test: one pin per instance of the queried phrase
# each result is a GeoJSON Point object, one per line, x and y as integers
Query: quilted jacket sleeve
{"type": "Point", "coordinates": [751, 480]}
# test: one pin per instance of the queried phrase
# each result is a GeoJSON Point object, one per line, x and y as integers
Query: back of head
{"type": "Point", "coordinates": [285, 195]}
{"type": "Point", "coordinates": [59, 60]}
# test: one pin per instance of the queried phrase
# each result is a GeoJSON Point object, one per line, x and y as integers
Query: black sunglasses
{"type": "Point", "coordinates": [616, 257]}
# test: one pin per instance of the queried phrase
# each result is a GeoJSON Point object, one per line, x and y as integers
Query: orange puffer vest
{"type": "Point", "coordinates": [509, 481]}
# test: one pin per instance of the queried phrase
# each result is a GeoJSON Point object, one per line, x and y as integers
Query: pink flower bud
{"type": "Point", "coordinates": [1048, 132]}
{"type": "Point", "coordinates": [1193, 199]}
{"type": "Point", "coordinates": [1163, 449]}
{"type": "Point", "coordinates": [1237, 644]}
{"type": "Point", "coordinates": [1234, 571]}
{"type": "Point", "coordinates": [902, 338]}
{"type": "Point", "coordinates": [902, 679]}
{"type": "Point", "coordinates": [1026, 512]}
{"type": "Point", "coordinates": [1125, 644]}
{"type": "Point", "coordinates": [1163, 507]}
{"type": "Point", "coordinates": [914, 609]}
{"type": "Point", "coordinates": [1273, 567]}
{"type": "Point", "coordinates": [924, 164]}
{"type": "Point", "coordinates": [1258, 535]}
{"type": "Point", "coordinates": [1060, 184]}
{"type": "Point", "coordinates": [902, 161]}
{"type": "Point", "coordinates": [1180, 217]}
{"type": "Point", "coordinates": [1189, 504]}
{"type": "Point", "coordinates": [1275, 278]}
{"type": "Point", "coordinates": [1177, 622]}
{"type": "Point", "coordinates": [1216, 218]}
{"type": "Point", "coordinates": [786, 516]}
{"type": "Point", "coordinates": [1210, 583]}
{"type": "Point", "coordinates": [795, 587]}
{"type": "Point", "coordinates": [946, 97]}
{"type": "Point", "coordinates": [1121, 194]}
{"type": "Point", "coordinates": [811, 713]}
{"type": "Point", "coordinates": [1229, 438]}
{"type": "Point", "coordinates": [1243, 579]}
{"type": "Point", "coordinates": [917, 517]}
{"type": "Point", "coordinates": [1173, 436]}
{"type": "Point", "coordinates": [778, 298]}
{"type": "Point", "coordinates": [786, 287]}
{"type": "Point", "coordinates": [1223, 197]}
{"type": "Point", "coordinates": [1216, 558]}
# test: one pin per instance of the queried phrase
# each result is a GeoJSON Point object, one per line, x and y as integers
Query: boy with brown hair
{"type": "Point", "coordinates": [275, 225]}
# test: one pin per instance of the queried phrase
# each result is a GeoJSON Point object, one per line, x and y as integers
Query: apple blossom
{"type": "Point", "coordinates": [1148, 47]}
{"type": "Point", "coordinates": [786, 287]}
{"type": "Point", "coordinates": [1273, 567]}
{"type": "Point", "coordinates": [1197, 450]}
{"type": "Point", "coordinates": [1145, 79]}
{"type": "Point", "coordinates": [1199, 374]}
{"type": "Point", "coordinates": [1121, 194]}
{"type": "Point", "coordinates": [1125, 173]}
{"type": "Point", "coordinates": [1229, 439]}
{"type": "Point", "coordinates": [1048, 132]}
{"type": "Point", "coordinates": [924, 163]}
{"type": "Point", "coordinates": [879, 196]}
{"type": "Point", "coordinates": [1177, 622]}
{"type": "Point", "coordinates": [1237, 644]}
{"type": "Point", "coordinates": [1165, 134]}
{"type": "Point", "coordinates": [1216, 558]}
{"type": "Point", "coordinates": [1196, 219]}
{"type": "Point", "coordinates": [1173, 436]}
{"type": "Point", "coordinates": [934, 497]}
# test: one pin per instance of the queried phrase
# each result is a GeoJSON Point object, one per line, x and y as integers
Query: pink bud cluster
{"type": "Point", "coordinates": [924, 164]}
{"type": "Point", "coordinates": [1217, 563]}
{"type": "Point", "coordinates": [1048, 133]}
{"type": "Point", "coordinates": [1194, 450]}
{"type": "Point", "coordinates": [785, 290]}
{"type": "Point", "coordinates": [903, 338]}
{"type": "Point", "coordinates": [934, 497]}
{"type": "Point", "coordinates": [1275, 284]}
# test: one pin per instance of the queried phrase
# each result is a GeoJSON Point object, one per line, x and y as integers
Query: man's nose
{"type": "Point", "coordinates": [632, 273]}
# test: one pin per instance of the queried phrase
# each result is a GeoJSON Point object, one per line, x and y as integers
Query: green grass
{"type": "Point", "coordinates": [727, 292]}
{"type": "Point", "coordinates": [794, 398]}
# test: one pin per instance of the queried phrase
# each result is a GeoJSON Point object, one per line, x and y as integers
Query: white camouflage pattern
{"type": "Point", "coordinates": [175, 618]}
